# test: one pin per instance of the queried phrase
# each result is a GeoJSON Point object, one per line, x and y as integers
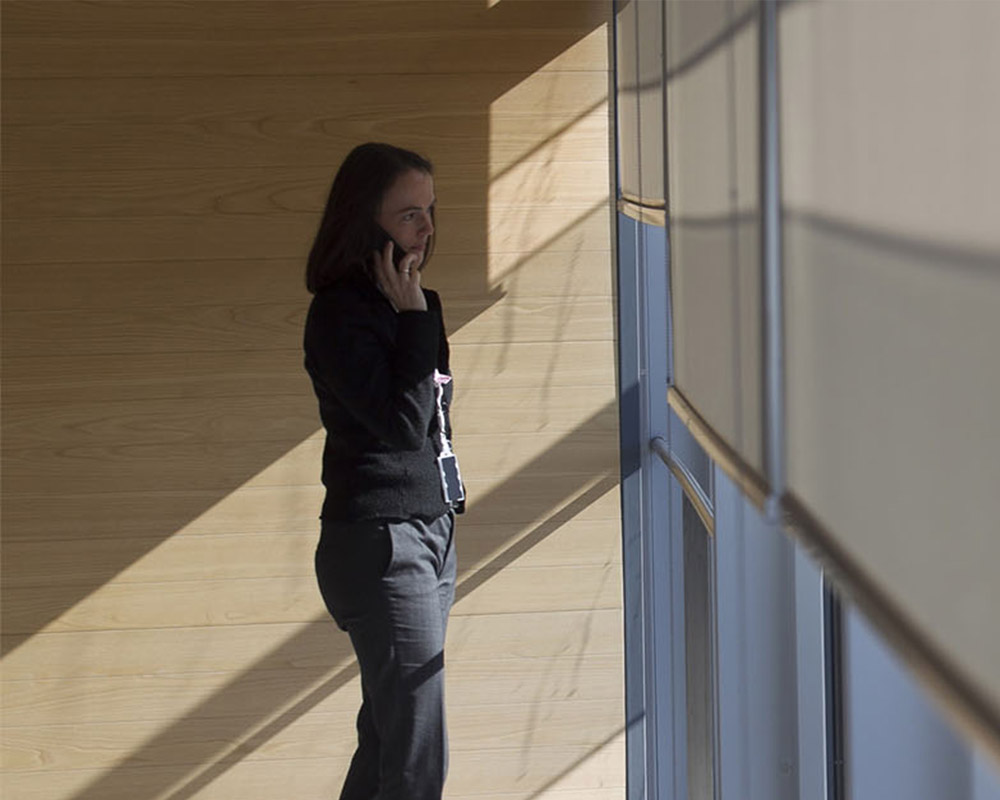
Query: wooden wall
{"type": "Point", "coordinates": [164, 164]}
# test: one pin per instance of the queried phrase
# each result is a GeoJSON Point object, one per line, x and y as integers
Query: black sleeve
{"type": "Point", "coordinates": [386, 385]}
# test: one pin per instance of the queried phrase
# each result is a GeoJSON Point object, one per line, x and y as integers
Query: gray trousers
{"type": "Point", "coordinates": [390, 584]}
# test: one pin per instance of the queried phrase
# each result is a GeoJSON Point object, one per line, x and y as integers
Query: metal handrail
{"type": "Point", "coordinates": [701, 502]}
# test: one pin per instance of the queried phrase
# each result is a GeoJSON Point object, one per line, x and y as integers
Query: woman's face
{"type": "Point", "coordinates": [406, 213]}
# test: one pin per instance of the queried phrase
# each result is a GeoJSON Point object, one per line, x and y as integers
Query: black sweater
{"type": "Point", "coordinates": [373, 372]}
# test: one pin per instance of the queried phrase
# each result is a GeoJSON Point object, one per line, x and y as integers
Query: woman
{"type": "Point", "coordinates": [376, 351]}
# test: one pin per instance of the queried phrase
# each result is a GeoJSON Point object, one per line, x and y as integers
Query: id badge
{"type": "Point", "coordinates": [451, 480]}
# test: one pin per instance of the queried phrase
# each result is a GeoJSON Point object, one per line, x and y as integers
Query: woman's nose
{"type": "Point", "coordinates": [428, 225]}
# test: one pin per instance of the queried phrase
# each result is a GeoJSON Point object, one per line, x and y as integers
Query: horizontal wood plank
{"type": "Point", "coordinates": [97, 466]}
{"type": "Point", "coordinates": [262, 20]}
{"type": "Point", "coordinates": [53, 54]}
{"type": "Point", "coordinates": [71, 286]}
{"type": "Point", "coordinates": [136, 376]}
{"type": "Point", "coordinates": [540, 320]}
{"type": "Point", "coordinates": [236, 191]}
{"type": "Point", "coordinates": [59, 423]}
{"type": "Point", "coordinates": [475, 280]}
{"type": "Point", "coordinates": [267, 99]}
{"type": "Point", "coordinates": [541, 274]}
{"type": "Point", "coordinates": [579, 771]}
{"type": "Point", "coordinates": [289, 236]}
{"type": "Point", "coordinates": [283, 599]}
{"type": "Point", "coordinates": [484, 411]}
{"type": "Point", "coordinates": [484, 143]}
{"type": "Point", "coordinates": [279, 418]}
{"type": "Point", "coordinates": [263, 555]}
{"type": "Point", "coordinates": [155, 516]}
{"type": "Point", "coordinates": [263, 693]}
{"type": "Point", "coordinates": [327, 51]}
{"type": "Point", "coordinates": [193, 329]}
{"type": "Point", "coordinates": [75, 655]}
{"type": "Point", "coordinates": [97, 745]}
{"type": "Point", "coordinates": [279, 326]}
{"type": "Point", "coordinates": [506, 508]}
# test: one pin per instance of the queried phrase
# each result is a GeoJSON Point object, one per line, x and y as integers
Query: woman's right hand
{"type": "Point", "coordinates": [401, 286]}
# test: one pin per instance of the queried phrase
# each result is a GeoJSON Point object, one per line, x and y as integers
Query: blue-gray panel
{"type": "Point", "coordinates": [758, 719]}
{"type": "Point", "coordinates": [630, 410]}
{"type": "Point", "coordinates": [897, 744]}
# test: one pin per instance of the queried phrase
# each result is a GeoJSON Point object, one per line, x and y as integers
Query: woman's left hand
{"type": "Point", "coordinates": [402, 285]}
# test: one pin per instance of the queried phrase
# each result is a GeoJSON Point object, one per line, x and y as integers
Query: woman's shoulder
{"type": "Point", "coordinates": [345, 304]}
{"type": "Point", "coordinates": [351, 293]}
{"type": "Point", "coordinates": [353, 285]}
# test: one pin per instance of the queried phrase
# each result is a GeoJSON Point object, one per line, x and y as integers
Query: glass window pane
{"type": "Point", "coordinates": [892, 292]}
{"type": "Point", "coordinates": [712, 139]}
{"type": "Point", "coordinates": [627, 68]}
{"type": "Point", "coordinates": [650, 39]}
{"type": "Point", "coordinates": [698, 635]}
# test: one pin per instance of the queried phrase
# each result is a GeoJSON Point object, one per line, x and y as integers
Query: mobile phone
{"type": "Point", "coordinates": [451, 479]}
{"type": "Point", "coordinates": [382, 238]}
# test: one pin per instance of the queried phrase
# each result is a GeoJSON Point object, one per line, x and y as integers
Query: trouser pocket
{"type": "Point", "coordinates": [351, 560]}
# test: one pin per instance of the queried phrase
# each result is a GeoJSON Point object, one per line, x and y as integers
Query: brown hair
{"type": "Point", "coordinates": [348, 230]}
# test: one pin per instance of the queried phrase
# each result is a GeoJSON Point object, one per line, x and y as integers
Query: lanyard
{"type": "Point", "coordinates": [440, 381]}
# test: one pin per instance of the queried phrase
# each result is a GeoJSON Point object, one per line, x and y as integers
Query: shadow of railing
{"type": "Point", "coordinates": [303, 688]}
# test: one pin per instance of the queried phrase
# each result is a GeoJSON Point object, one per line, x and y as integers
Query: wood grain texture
{"type": "Point", "coordinates": [545, 723]}
{"type": "Point", "coordinates": [164, 166]}
{"type": "Point", "coordinates": [201, 694]}
{"type": "Point", "coordinates": [289, 598]}
{"type": "Point", "coordinates": [97, 466]}
{"type": "Point", "coordinates": [152, 376]}
{"type": "Point", "coordinates": [208, 38]}
{"type": "Point", "coordinates": [453, 138]}
{"type": "Point", "coordinates": [224, 328]}
{"type": "Point", "coordinates": [255, 101]}
{"type": "Point", "coordinates": [276, 417]}
{"type": "Point", "coordinates": [565, 772]}
{"type": "Point", "coordinates": [148, 517]}
{"type": "Point", "coordinates": [329, 53]}
{"type": "Point", "coordinates": [235, 191]}
{"type": "Point", "coordinates": [76, 655]}
{"type": "Point", "coordinates": [461, 231]}
{"type": "Point", "coordinates": [260, 20]}
{"type": "Point", "coordinates": [62, 286]}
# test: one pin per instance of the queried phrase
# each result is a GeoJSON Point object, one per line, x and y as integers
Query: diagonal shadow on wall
{"type": "Point", "coordinates": [251, 711]}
